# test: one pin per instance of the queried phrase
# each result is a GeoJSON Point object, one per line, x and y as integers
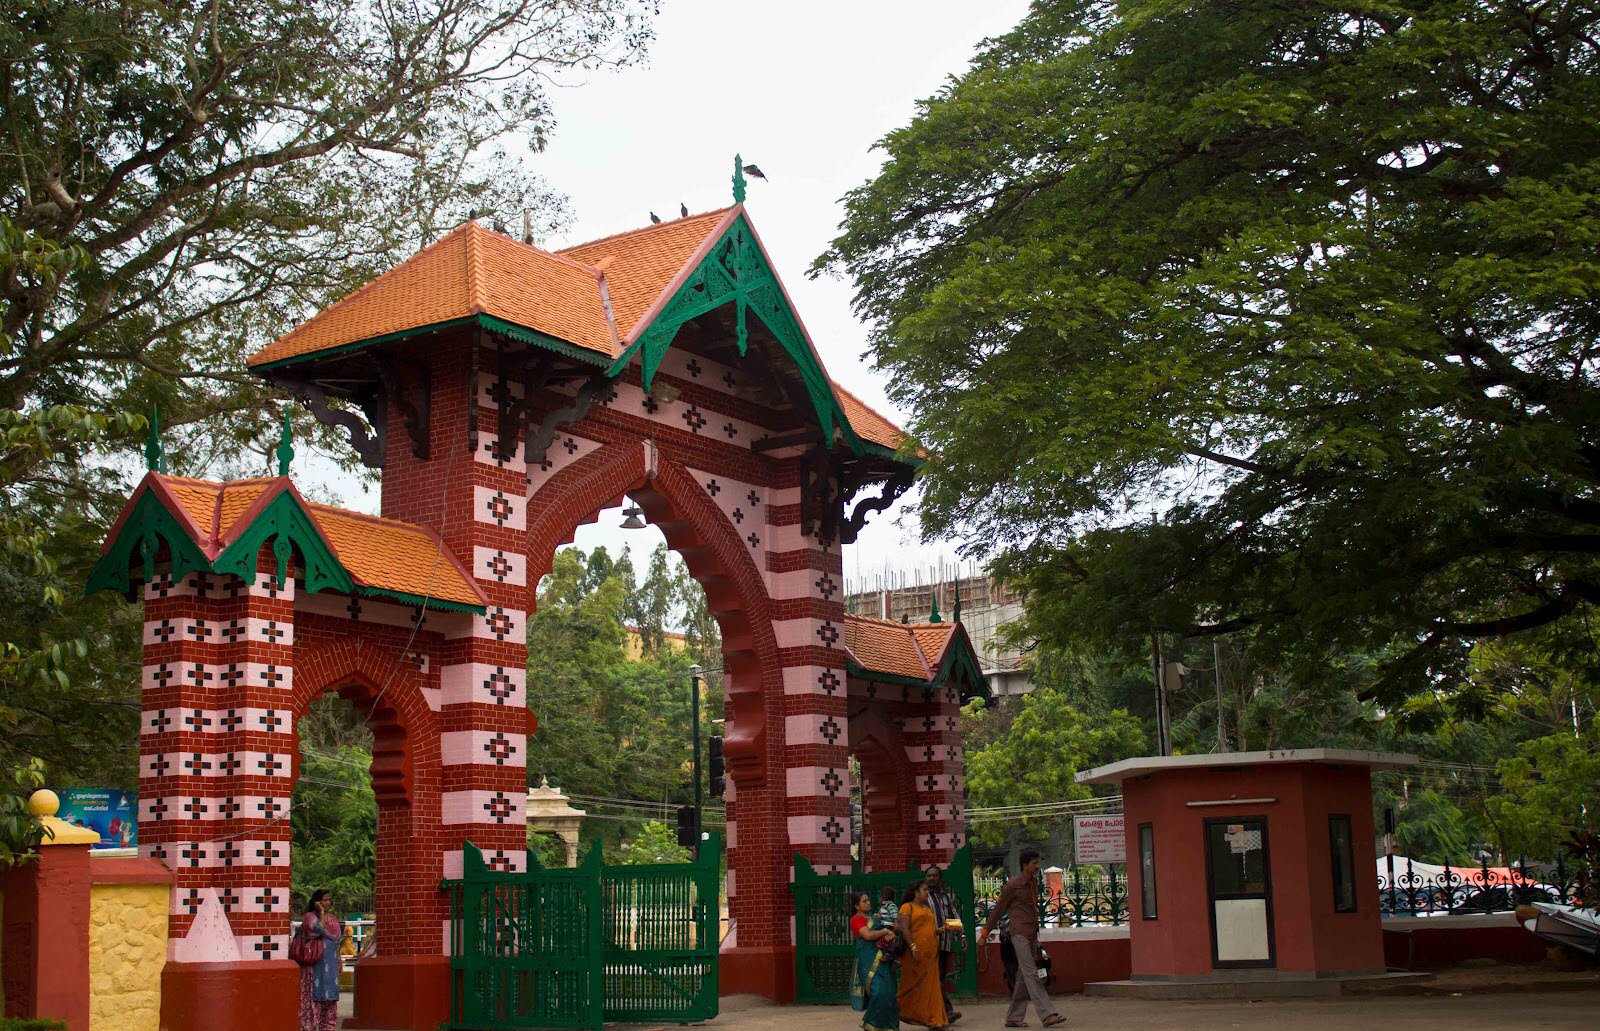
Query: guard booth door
{"type": "Point", "coordinates": [1239, 889]}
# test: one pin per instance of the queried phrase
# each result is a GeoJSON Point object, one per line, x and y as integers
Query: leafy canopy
{"type": "Point", "coordinates": [1254, 315]}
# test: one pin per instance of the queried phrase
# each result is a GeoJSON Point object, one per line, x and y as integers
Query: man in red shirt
{"type": "Point", "coordinates": [1019, 900]}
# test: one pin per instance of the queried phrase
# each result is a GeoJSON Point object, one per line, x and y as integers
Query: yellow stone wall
{"type": "Point", "coordinates": [127, 949]}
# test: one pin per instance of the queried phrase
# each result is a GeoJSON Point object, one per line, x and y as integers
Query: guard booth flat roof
{"type": "Point", "coordinates": [1139, 766]}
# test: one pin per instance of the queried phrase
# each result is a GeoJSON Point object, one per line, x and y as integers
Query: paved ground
{"type": "Point", "coordinates": [1496, 1012]}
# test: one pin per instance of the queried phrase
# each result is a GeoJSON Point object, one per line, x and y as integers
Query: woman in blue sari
{"type": "Point", "coordinates": [873, 992]}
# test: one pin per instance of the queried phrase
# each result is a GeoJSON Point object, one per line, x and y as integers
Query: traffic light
{"type": "Point", "coordinates": [718, 768]}
{"type": "Point", "coordinates": [688, 833]}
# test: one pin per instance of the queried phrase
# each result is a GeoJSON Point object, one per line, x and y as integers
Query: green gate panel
{"type": "Point", "coordinates": [824, 952]}
{"type": "Point", "coordinates": [577, 948]}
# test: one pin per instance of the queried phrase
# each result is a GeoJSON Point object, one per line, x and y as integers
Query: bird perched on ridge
{"type": "Point", "coordinates": [683, 209]}
{"type": "Point", "coordinates": [755, 171]}
{"type": "Point", "coordinates": [655, 218]}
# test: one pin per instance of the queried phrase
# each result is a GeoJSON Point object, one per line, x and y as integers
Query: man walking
{"type": "Point", "coordinates": [1019, 903]}
{"type": "Point", "coordinates": [943, 901]}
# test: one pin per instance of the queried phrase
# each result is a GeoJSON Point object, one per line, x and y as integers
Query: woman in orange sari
{"type": "Point", "coordinates": [921, 998]}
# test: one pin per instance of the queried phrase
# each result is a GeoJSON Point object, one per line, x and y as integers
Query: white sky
{"type": "Point", "coordinates": [803, 91]}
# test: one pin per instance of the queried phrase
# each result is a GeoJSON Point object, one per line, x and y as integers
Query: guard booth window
{"type": "Point", "coordinates": [1340, 845]}
{"type": "Point", "coordinates": [1147, 871]}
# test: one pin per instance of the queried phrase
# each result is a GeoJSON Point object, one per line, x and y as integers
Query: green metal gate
{"type": "Point", "coordinates": [824, 952]}
{"type": "Point", "coordinates": [576, 948]}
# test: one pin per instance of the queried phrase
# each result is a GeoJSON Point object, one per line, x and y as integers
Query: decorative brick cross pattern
{"type": "Point", "coordinates": [163, 675]}
{"type": "Point", "coordinates": [728, 379]}
{"type": "Point", "coordinates": [353, 609]}
{"type": "Point", "coordinates": [752, 540]}
{"type": "Point", "coordinates": [191, 900]}
{"type": "Point", "coordinates": [231, 719]}
{"type": "Point", "coordinates": [196, 764]}
{"type": "Point", "coordinates": [832, 782]}
{"type": "Point", "coordinates": [268, 808]}
{"type": "Point", "coordinates": [269, 853]}
{"type": "Point", "coordinates": [826, 586]}
{"type": "Point", "coordinates": [229, 808]}
{"type": "Point", "coordinates": [738, 515]}
{"type": "Point", "coordinates": [228, 852]}
{"type": "Point", "coordinates": [233, 675]}
{"type": "Point", "coordinates": [831, 730]}
{"type": "Point", "coordinates": [927, 753]}
{"type": "Point", "coordinates": [233, 631]}
{"type": "Point", "coordinates": [231, 764]}
{"type": "Point", "coordinates": [193, 853]}
{"type": "Point", "coordinates": [730, 430]}
{"type": "Point", "coordinates": [829, 681]}
{"type": "Point", "coordinates": [500, 749]}
{"type": "Point", "coordinates": [266, 948]}
{"type": "Point", "coordinates": [500, 624]}
{"type": "Point", "coordinates": [499, 566]}
{"type": "Point", "coordinates": [269, 765]}
{"type": "Point", "coordinates": [833, 830]}
{"type": "Point", "coordinates": [270, 721]}
{"type": "Point", "coordinates": [932, 814]}
{"type": "Point", "coordinates": [158, 810]}
{"type": "Point", "coordinates": [160, 721]}
{"type": "Point", "coordinates": [159, 765]}
{"type": "Point", "coordinates": [499, 807]}
{"type": "Point", "coordinates": [202, 585]}
{"type": "Point", "coordinates": [499, 685]}
{"type": "Point", "coordinates": [499, 862]}
{"type": "Point", "coordinates": [161, 586]}
{"type": "Point", "coordinates": [950, 753]}
{"type": "Point", "coordinates": [753, 498]}
{"type": "Point", "coordinates": [930, 783]}
{"type": "Point", "coordinates": [693, 419]}
{"type": "Point", "coordinates": [272, 632]}
{"type": "Point", "coordinates": [713, 488]}
{"type": "Point", "coordinates": [163, 631]}
{"type": "Point", "coordinates": [650, 404]}
{"type": "Point", "coordinates": [271, 677]}
{"type": "Point", "coordinates": [229, 898]}
{"type": "Point", "coordinates": [499, 508]}
{"type": "Point", "coordinates": [197, 675]}
{"type": "Point", "coordinates": [828, 633]}
{"type": "Point", "coordinates": [694, 368]}
{"type": "Point", "coordinates": [571, 446]}
{"type": "Point", "coordinates": [198, 630]}
{"type": "Point", "coordinates": [265, 899]}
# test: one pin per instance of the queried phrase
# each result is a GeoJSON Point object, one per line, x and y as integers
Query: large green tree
{"type": "Point", "coordinates": [1256, 316]}
{"type": "Point", "coordinates": [183, 181]}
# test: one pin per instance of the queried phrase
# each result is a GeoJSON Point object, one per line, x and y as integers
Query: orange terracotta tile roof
{"type": "Point", "coordinates": [867, 423]}
{"type": "Point", "coordinates": [884, 646]}
{"type": "Point", "coordinates": [563, 294]}
{"type": "Point", "coordinates": [917, 651]}
{"type": "Point", "coordinates": [471, 271]}
{"type": "Point", "coordinates": [377, 553]}
{"type": "Point", "coordinates": [641, 264]}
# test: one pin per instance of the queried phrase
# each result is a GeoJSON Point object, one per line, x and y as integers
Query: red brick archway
{"type": "Point", "coordinates": [665, 366]}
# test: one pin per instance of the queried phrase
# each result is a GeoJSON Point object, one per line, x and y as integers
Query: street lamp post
{"type": "Point", "coordinates": [694, 709]}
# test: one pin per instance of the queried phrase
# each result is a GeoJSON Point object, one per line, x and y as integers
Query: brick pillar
{"type": "Point", "coordinates": [933, 744]}
{"type": "Point", "coordinates": [215, 767]}
{"type": "Point", "coordinates": [803, 803]}
{"type": "Point", "coordinates": [44, 941]}
{"type": "Point", "coordinates": [476, 500]}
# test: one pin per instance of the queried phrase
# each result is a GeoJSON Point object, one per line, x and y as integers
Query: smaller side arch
{"type": "Point", "coordinates": [888, 791]}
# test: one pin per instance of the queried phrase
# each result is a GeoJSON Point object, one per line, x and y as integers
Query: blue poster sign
{"type": "Point", "coordinates": [114, 815]}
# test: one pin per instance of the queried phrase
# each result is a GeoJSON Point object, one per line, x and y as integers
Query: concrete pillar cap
{"type": "Point", "coordinates": [43, 805]}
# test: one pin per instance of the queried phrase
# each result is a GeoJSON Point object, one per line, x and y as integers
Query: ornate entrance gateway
{"type": "Point", "coordinates": [509, 394]}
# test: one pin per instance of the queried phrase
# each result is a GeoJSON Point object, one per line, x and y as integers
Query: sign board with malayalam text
{"type": "Point", "coordinates": [1099, 839]}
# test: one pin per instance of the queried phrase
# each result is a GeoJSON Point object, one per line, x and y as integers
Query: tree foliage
{"type": "Point", "coordinates": [1263, 317]}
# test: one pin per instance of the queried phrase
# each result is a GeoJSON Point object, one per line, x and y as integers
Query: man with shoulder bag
{"type": "Point", "coordinates": [1019, 905]}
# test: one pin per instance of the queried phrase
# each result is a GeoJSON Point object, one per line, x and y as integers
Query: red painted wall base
{"type": "Point", "coordinates": [1431, 945]}
{"type": "Point", "coordinates": [401, 993]}
{"type": "Point", "coordinates": [765, 971]}
{"type": "Point", "coordinates": [254, 996]}
{"type": "Point", "coordinates": [1074, 964]}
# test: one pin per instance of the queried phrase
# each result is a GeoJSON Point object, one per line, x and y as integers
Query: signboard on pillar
{"type": "Point", "coordinates": [110, 813]}
{"type": "Point", "coordinates": [1099, 839]}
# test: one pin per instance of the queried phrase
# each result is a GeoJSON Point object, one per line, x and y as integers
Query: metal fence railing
{"type": "Point", "coordinates": [1421, 889]}
{"type": "Point", "coordinates": [1079, 896]}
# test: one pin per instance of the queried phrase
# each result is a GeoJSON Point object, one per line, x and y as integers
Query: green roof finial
{"type": "Point", "coordinates": [285, 447]}
{"type": "Point", "coordinates": [955, 613]}
{"type": "Point", "coordinates": [154, 459]}
{"type": "Point", "coordinates": [933, 616]}
{"type": "Point", "coordinates": [738, 179]}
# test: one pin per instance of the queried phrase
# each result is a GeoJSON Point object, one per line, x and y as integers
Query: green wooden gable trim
{"type": "Point", "coordinates": [437, 604]}
{"type": "Point", "coordinates": [736, 272]}
{"type": "Point", "coordinates": [141, 535]}
{"type": "Point", "coordinates": [286, 523]}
